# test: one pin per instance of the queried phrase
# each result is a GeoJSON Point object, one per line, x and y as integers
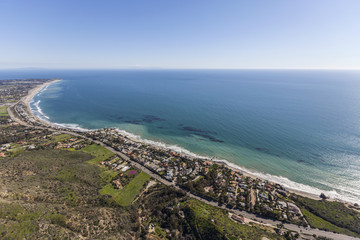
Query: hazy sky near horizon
{"type": "Point", "coordinates": [180, 34]}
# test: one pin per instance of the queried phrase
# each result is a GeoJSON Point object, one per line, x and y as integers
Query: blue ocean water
{"type": "Point", "coordinates": [298, 128]}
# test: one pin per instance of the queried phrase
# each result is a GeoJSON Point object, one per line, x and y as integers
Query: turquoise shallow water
{"type": "Point", "coordinates": [299, 128]}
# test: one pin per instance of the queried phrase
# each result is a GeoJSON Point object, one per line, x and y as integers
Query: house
{"type": "Point", "coordinates": [169, 174]}
{"type": "Point", "coordinates": [293, 208]}
{"type": "Point", "coordinates": [231, 189]}
{"type": "Point", "coordinates": [267, 208]}
{"type": "Point", "coordinates": [5, 146]}
{"type": "Point", "coordinates": [243, 186]}
{"type": "Point", "coordinates": [283, 192]}
{"type": "Point", "coordinates": [282, 204]}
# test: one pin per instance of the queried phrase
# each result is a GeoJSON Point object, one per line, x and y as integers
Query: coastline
{"type": "Point", "coordinates": [32, 93]}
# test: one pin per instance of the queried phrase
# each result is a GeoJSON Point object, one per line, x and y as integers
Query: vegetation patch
{"type": "Point", "coordinates": [108, 175]}
{"type": "Point", "coordinates": [69, 196]}
{"type": "Point", "coordinates": [59, 138]}
{"type": "Point", "coordinates": [41, 161]}
{"type": "Point", "coordinates": [320, 223]}
{"type": "Point", "coordinates": [125, 196]}
{"type": "Point", "coordinates": [208, 222]}
{"type": "Point", "coordinates": [100, 153]}
{"type": "Point", "coordinates": [66, 175]}
{"type": "Point", "coordinates": [19, 230]}
{"type": "Point", "coordinates": [16, 212]}
{"type": "Point", "coordinates": [16, 151]}
{"type": "Point", "coordinates": [331, 211]}
{"type": "Point", "coordinates": [23, 222]}
{"type": "Point", "coordinates": [3, 112]}
{"type": "Point", "coordinates": [58, 219]}
{"type": "Point", "coordinates": [160, 232]}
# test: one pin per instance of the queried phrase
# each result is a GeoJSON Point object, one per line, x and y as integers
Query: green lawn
{"type": "Point", "coordinates": [100, 153]}
{"type": "Point", "coordinates": [107, 175]}
{"type": "Point", "coordinates": [320, 223]}
{"type": "Point", "coordinates": [3, 112]}
{"type": "Point", "coordinates": [125, 196]}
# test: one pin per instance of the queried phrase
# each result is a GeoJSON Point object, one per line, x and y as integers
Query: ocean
{"type": "Point", "coordinates": [300, 128]}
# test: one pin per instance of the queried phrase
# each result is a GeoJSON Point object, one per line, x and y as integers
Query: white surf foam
{"type": "Point", "coordinates": [72, 126]}
{"type": "Point", "coordinates": [174, 148]}
{"type": "Point", "coordinates": [39, 111]}
{"type": "Point", "coordinates": [43, 89]}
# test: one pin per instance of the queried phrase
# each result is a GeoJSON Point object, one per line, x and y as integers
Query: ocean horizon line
{"type": "Point", "coordinates": [182, 68]}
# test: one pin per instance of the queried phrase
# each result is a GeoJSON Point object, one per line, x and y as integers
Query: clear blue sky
{"type": "Point", "coordinates": [180, 34]}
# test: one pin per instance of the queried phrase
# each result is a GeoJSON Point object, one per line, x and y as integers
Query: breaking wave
{"type": "Point", "coordinates": [37, 111]}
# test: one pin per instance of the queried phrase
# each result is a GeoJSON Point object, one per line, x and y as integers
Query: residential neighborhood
{"type": "Point", "coordinates": [204, 177]}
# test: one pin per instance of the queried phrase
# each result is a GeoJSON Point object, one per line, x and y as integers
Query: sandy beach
{"type": "Point", "coordinates": [27, 99]}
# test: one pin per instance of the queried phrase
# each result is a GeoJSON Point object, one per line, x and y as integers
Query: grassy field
{"type": "Point", "coordinates": [320, 223]}
{"type": "Point", "coordinates": [59, 138]}
{"type": "Point", "coordinates": [16, 150]}
{"type": "Point", "coordinates": [208, 222]}
{"type": "Point", "coordinates": [107, 175]}
{"type": "Point", "coordinates": [3, 112]}
{"type": "Point", "coordinates": [100, 153]}
{"type": "Point", "coordinates": [125, 196]}
{"type": "Point", "coordinates": [41, 161]}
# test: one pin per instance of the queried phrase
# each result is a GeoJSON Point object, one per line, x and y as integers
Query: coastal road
{"type": "Point", "coordinates": [262, 220]}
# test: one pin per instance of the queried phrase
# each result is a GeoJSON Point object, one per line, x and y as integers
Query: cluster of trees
{"type": "Point", "coordinates": [163, 205]}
